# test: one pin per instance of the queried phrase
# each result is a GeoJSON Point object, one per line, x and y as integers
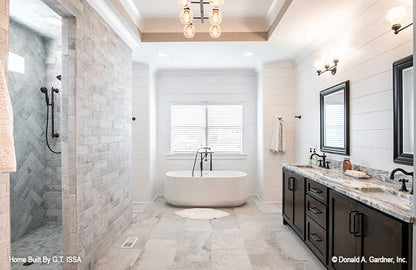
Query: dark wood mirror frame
{"type": "Point", "coordinates": [345, 86]}
{"type": "Point", "coordinates": [398, 155]}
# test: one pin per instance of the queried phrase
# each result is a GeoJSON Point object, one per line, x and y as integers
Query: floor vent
{"type": "Point", "coordinates": [129, 243]}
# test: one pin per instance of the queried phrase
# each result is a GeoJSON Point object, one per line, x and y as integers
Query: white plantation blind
{"type": "Point", "coordinates": [225, 128]}
{"type": "Point", "coordinates": [217, 126]}
{"type": "Point", "coordinates": [188, 128]}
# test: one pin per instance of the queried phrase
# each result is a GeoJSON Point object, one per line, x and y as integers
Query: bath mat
{"type": "Point", "coordinates": [201, 213]}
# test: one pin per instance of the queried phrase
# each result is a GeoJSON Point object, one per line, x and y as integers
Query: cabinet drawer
{"type": "Point", "coordinates": [317, 191]}
{"type": "Point", "coordinates": [317, 211]}
{"type": "Point", "coordinates": [316, 239]}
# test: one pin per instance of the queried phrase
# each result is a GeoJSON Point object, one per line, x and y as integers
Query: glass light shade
{"type": "Point", "coordinates": [186, 16]}
{"type": "Point", "coordinates": [396, 15]}
{"type": "Point", "coordinates": [189, 31]}
{"type": "Point", "coordinates": [184, 3]}
{"type": "Point", "coordinates": [215, 31]}
{"type": "Point", "coordinates": [215, 17]}
{"type": "Point", "coordinates": [319, 65]}
{"type": "Point", "coordinates": [217, 3]}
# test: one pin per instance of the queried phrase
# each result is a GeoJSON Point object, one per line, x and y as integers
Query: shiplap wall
{"type": "Point", "coordinates": [143, 106]}
{"type": "Point", "coordinates": [275, 99]}
{"type": "Point", "coordinates": [217, 86]}
{"type": "Point", "coordinates": [371, 50]}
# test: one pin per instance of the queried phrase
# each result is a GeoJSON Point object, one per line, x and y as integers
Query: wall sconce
{"type": "Point", "coordinates": [324, 66]}
{"type": "Point", "coordinates": [396, 16]}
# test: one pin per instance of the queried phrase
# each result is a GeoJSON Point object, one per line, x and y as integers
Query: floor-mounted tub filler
{"type": "Point", "coordinates": [213, 189]}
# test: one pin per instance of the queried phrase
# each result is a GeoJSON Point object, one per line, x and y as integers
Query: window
{"type": "Point", "coordinates": [217, 126]}
{"type": "Point", "coordinates": [16, 63]}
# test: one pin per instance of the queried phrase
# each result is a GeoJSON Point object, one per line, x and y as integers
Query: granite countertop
{"type": "Point", "coordinates": [378, 194]}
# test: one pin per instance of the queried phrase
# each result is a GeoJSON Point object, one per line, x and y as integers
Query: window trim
{"type": "Point", "coordinates": [221, 154]}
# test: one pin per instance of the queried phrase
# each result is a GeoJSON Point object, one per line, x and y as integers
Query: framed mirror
{"type": "Point", "coordinates": [335, 119]}
{"type": "Point", "coordinates": [403, 111]}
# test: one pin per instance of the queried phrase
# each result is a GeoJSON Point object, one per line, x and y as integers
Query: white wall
{"type": "Point", "coordinates": [144, 133]}
{"type": "Point", "coordinates": [275, 99]}
{"type": "Point", "coordinates": [216, 86]}
{"type": "Point", "coordinates": [372, 49]}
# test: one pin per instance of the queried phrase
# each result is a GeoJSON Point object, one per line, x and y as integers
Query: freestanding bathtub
{"type": "Point", "coordinates": [213, 189]}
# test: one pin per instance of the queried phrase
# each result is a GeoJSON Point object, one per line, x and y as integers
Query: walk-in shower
{"type": "Point", "coordinates": [35, 38]}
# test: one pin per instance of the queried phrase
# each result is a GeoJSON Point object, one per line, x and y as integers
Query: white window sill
{"type": "Point", "coordinates": [219, 156]}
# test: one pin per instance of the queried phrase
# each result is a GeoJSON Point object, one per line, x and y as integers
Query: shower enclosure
{"type": "Point", "coordinates": [34, 69]}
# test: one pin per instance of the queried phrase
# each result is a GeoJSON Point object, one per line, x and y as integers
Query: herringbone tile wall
{"type": "Point", "coordinates": [35, 187]}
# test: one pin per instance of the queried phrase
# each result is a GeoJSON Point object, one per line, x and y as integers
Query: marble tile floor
{"type": "Point", "coordinates": [44, 241]}
{"type": "Point", "coordinates": [252, 237]}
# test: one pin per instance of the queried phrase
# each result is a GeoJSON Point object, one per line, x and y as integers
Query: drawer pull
{"type": "Point", "coordinates": [315, 210]}
{"type": "Point", "coordinates": [315, 237]}
{"type": "Point", "coordinates": [315, 190]}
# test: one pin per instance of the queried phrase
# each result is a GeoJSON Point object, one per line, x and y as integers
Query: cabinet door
{"type": "Point", "coordinates": [298, 184]}
{"type": "Point", "coordinates": [342, 242]}
{"type": "Point", "coordinates": [381, 236]}
{"type": "Point", "coordinates": [287, 196]}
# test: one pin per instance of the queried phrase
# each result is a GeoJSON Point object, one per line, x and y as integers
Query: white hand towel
{"type": "Point", "coordinates": [278, 139]}
{"type": "Point", "coordinates": [7, 152]}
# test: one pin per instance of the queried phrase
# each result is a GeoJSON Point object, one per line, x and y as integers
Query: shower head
{"type": "Point", "coordinates": [44, 90]}
{"type": "Point", "coordinates": [58, 77]}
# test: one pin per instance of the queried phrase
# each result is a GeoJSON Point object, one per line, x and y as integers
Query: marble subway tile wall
{"type": "Point", "coordinates": [371, 48]}
{"type": "Point", "coordinates": [27, 185]}
{"type": "Point", "coordinates": [98, 159]}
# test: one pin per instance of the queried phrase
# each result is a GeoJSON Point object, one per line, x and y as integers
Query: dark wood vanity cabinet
{"type": "Point", "coordinates": [358, 231]}
{"type": "Point", "coordinates": [294, 202]}
{"type": "Point", "coordinates": [334, 225]}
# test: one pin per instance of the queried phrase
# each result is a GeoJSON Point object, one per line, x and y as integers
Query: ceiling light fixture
{"type": "Point", "coordinates": [248, 54]}
{"type": "Point", "coordinates": [396, 16]}
{"type": "Point", "coordinates": [215, 17]}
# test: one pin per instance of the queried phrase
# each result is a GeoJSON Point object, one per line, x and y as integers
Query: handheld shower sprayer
{"type": "Point", "coordinates": [44, 90]}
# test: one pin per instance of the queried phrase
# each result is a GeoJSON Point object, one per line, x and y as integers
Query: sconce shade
{"type": "Point", "coordinates": [396, 16]}
{"type": "Point", "coordinates": [186, 16]}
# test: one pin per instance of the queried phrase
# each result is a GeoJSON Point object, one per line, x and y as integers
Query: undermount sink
{"type": "Point", "coordinates": [364, 187]}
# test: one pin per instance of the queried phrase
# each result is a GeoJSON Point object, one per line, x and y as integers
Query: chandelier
{"type": "Point", "coordinates": [215, 17]}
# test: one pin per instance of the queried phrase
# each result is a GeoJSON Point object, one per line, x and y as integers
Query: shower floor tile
{"type": "Point", "coordinates": [45, 241]}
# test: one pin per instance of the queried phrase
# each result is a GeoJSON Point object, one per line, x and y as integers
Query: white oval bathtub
{"type": "Point", "coordinates": [213, 189]}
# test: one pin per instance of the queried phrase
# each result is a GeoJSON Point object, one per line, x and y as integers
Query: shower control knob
{"type": "Point", "coordinates": [133, 118]}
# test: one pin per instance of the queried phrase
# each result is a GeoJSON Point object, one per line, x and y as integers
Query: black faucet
{"type": "Point", "coordinates": [322, 163]}
{"type": "Point", "coordinates": [403, 181]}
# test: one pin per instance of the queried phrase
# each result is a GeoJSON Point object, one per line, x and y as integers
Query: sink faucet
{"type": "Point", "coordinates": [322, 163]}
{"type": "Point", "coordinates": [403, 181]}
{"type": "Point", "coordinates": [204, 155]}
